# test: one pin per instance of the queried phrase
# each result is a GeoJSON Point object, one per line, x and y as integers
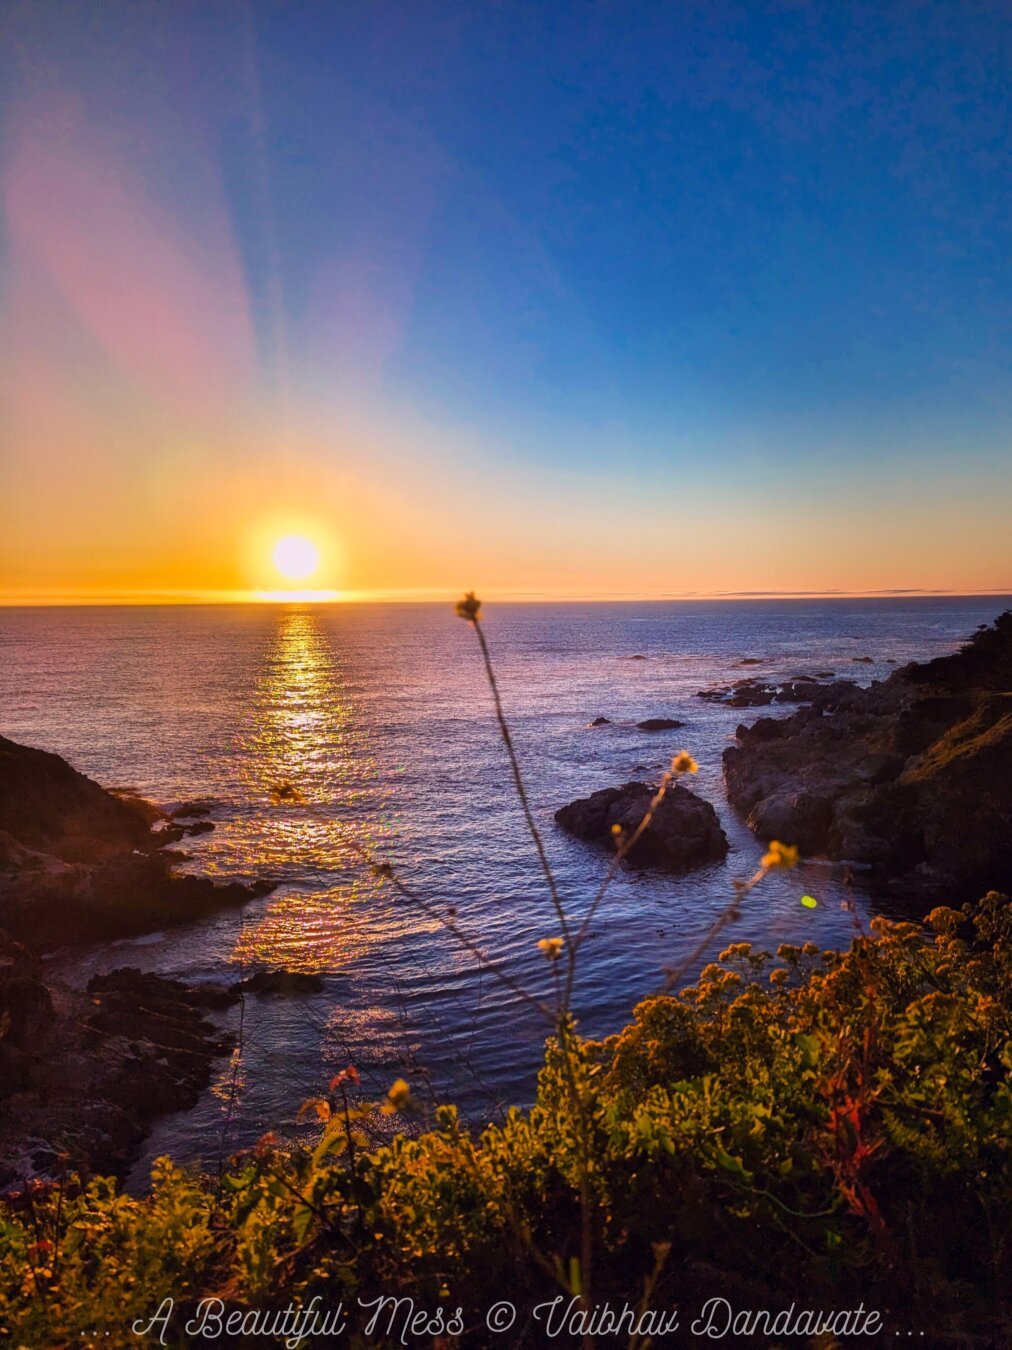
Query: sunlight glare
{"type": "Point", "coordinates": [296, 557]}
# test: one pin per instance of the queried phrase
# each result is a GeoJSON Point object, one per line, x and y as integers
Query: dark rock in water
{"type": "Point", "coordinates": [760, 693]}
{"type": "Point", "coordinates": [750, 661]}
{"type": "Point", "coordinates": [863, 660]}
{"type": "Point", "coordinates": [80, 864]}
{"type": "Point", "coordinates": [683, 833]}
{"type": "Point", "coordinates": [601, 722]}
{"type": "Point", "coordinates": [823, 674]}
{"type": "Point", "coordinates": [660, 724]}
{"type": "Point", "coordinates": [911, 777]}
{"type": "Point", "coordinates": [638, 656]}
{"type": "Point", "coordinates": [197, 827]}
{"type": "Point", "coordinates": [200, 808]}
{"type": "Point", "coordinates": [282, 982]}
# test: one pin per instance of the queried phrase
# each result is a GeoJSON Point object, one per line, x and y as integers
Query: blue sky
{"type": "Point", "coordinates": [690, 256]}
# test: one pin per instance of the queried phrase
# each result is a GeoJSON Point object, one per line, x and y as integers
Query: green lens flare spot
{"type": "Point", "coordinates": [809, 902]}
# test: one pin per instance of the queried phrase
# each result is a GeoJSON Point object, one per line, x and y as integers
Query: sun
{"type": "Point", "coordinates": [296, 557]}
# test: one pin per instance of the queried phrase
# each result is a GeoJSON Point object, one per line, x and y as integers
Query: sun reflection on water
{"type": "Point", "coordinates": [303, 738]}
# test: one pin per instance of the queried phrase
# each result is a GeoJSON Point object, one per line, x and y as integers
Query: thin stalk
{"type": "Point", "coordinates": [625, 847]}
{"type": "Point", "coordinates": [518, 781]}
{"type": "Point", "coordinates": [674, 974]}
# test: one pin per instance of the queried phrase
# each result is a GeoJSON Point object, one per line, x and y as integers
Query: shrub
{"type": "Point", "coordinates": [829, 1124]}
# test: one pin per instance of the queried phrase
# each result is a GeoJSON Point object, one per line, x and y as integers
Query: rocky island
{"type": "Point", "coordinates": [683, 833]}
{"type": "Point", "coordinates": [911, 778]}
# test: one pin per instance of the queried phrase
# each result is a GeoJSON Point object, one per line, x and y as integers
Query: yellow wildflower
{"type": "Point", "coordinates": [469, 608]}
{"type": "Point", "coordinates": [552, 948]}
{"type": "Point", "coordinates": [684, 763]}
{"type": "Point", "coordinates": [780, 855]}
{"type": "Point", "coordinates": [398, 1098]}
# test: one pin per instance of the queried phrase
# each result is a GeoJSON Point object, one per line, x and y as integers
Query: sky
{"type": "Point", "coordinates": [547, 300]}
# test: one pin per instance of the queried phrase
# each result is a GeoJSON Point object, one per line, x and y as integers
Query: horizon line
{"type": "Point", "coordinates": [441, 595]}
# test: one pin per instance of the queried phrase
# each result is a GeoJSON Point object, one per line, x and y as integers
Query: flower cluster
{"type": "Point", "coordinates": [469, 608]}
{"type": "Point", "coordinates": [551, 947]}
{"type": "Point", "coordinates": [780, 855]}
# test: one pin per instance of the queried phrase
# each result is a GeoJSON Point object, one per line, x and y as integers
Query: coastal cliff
{"type": "Point", "coordinates": [79, 863]}
{"type": "Point", "coordinates": [911, 779]}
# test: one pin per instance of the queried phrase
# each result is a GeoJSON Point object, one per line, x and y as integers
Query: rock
{"type": "Point", "coordinates": [750, 661]}
{"type": "Point", "coordinates": [197, 827]}
{"type": "Point", "coordinates": [684, 832]}
{"type": "Point", "coordinates": [48, 806]}
{"type": "Point", "coordinates": [287, 982]}
{"type": "Point", "coordinates": [601, 722]}
{"type": "Point", "coordinates": [106, 1065]}
{"type": "Point", "coordinates": [200, 808]}
{"type": "Point", "coordinates": [911, 777]}
{"type": "Point", "coordinates": [760, 694]}
{"type": "Point", "coordinates": [26, 1008]}
{"type": "Point", "coordinates": [863, 660]}
{"type": "Point", "coordinates": [637, 656]}
{"type": "Point", "coordinates": [659, 724]}
{"type": "Point", "coordinates": [81, 864]}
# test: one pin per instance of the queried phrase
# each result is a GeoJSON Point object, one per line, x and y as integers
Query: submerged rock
{"type": "Point", "coordinates": [287, 982]}
{"type": "Point", "coordinates": [601, 722]}
{"type": "Point", "coordinates": [684, 832]}
{"type": "Point", "coordinates": [659, 724]}
{"type": "Point", "coordinates": [911, 777]}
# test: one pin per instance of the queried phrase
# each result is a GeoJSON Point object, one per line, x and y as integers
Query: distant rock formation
{"type": "Point", "coordinates": [659, 724]}
{"type": "Point", "coordinates": [754, 693]}
{"type": "Point", "coordinates": [683, 833]}
{"type": "Point", "coordinates": [911, 777]}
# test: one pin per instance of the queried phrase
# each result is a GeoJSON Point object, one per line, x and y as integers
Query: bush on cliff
{"type": "Point", "coordinates": [826, 1127]}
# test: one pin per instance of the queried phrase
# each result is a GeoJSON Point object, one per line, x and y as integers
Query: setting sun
{"type": "Point", "coordinates": [296, 557]}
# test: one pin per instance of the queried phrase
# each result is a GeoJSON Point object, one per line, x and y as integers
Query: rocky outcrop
{"type": "Point", "coordinates": [79, 863]}
{"type": "Point", "coordinates": [47, 806]}
{"type": "Point", "coordinates": [761, 693]}
{"type": "Point", "coordinates": [659, 724]}
{"type": "Point", "coordinates": [911, 778]}
{"type": "Point", "coordinates": [683, 833]}
{"type": "Point", "coordinates": [84, 1075]}
{"type": "Point", "coordinates": [288, 983]}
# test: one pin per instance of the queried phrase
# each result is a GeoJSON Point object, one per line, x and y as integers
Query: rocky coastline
{"type": "Point", "coordinates": [84, 1073]}
{"type": "Point", "coordinates": [910, 779]}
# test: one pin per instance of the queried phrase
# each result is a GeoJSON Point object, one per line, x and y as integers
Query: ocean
{"type": "Point", "coordinates": [381, 717]}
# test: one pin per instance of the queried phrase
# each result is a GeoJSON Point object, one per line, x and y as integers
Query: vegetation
{"type": "Point", "coordinates": [800, 1126]}
{"type": "Point", "coordinates": [832, 1123]}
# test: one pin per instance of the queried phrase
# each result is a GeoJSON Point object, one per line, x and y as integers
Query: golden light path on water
{"type": "Point", "coordinates": [313, 799]}
{"type": "Point", "coordinates": [313, 787]}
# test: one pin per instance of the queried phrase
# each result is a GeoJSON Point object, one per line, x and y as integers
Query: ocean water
{"type": "Point", "coordinates": [381, 717]}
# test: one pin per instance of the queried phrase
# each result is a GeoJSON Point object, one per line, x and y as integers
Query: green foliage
{"type": "Point", "coordinates": [836, 1125]}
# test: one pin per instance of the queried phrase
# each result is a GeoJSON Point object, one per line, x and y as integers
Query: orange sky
{"type": "Point", "coordinates": [176, 395]}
